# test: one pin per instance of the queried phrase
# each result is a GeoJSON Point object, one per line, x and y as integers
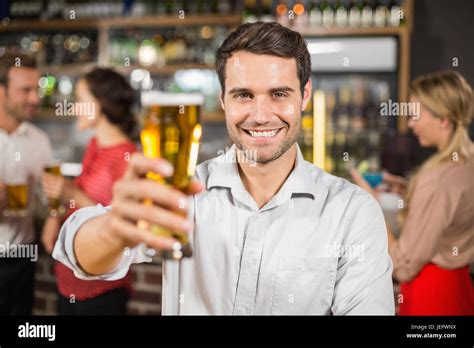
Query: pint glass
{"type": "Point", "coordinates": [55, 207]}
{"type": "Point", "coordinates": [16, 181]}
{"type": "Point", "coordinates": [172, 131]}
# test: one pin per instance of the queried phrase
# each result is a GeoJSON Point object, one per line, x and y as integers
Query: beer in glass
{"type": "Point", "coordinates": [172, 131]}
{"type": "Point", "coordinates": [17, 195]}
{"type": "Point", "coordinates": [55, 208]}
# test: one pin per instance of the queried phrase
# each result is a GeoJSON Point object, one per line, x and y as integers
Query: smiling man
{"type": "Point", "coordinates": [271, 233]}
{"type": "Point", "coordinates": [24, 151]}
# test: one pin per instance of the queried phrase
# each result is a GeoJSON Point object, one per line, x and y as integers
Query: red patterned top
{"type": "Point", "coordinates": [101, 167]}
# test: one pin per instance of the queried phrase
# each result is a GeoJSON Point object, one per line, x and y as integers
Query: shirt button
{"type": "Point", "coordinates": [249, 264]}
{"type": "Point", "coordinates": [241, 310]}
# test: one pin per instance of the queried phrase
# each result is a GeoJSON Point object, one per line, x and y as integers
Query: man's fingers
{"type": "Point", "coordinates": [140, 165]}
{"type": "Point", "coordinates": [141, 189]}
{"type": "Point", "coordinates": [130, 232]}
{"type": "Point", "coordinates": [153, 215]}
{"type": "Point", "coordinates": [195, 187]}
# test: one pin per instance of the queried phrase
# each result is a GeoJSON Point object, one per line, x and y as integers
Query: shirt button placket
{"type": "Point", "coordinates": [248, 274]}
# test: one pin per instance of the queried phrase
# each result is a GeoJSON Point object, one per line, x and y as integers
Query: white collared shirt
{"type": "Point", "coordinates": [23, 153]}
{"type": "Point", "coordinates": [319, 246]}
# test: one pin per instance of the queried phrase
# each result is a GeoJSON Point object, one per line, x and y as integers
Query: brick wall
{"type": "Point", "coordinates": [146, 284]}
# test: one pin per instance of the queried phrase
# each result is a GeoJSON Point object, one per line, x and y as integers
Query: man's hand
{"type": "Point", "coordinates": [169, 209]}
{"type": "Point", "coordinates": [100, 242]}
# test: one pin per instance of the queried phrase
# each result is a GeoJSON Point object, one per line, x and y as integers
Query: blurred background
{"type": "Point", "coordinates": [363, 53]}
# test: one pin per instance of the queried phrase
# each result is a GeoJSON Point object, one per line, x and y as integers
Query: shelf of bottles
{"type": "Point", "coordinates": [107, 9]}
{"type": "Point", "coordinates": [159, 44]}
{"type": "Point", "coordinates": [156, 48]}
{"type": "Point", "coordinates": [342, 14]}
{"type": "Point", "coordinates": [76, 50]}
{"type": "Point", "coordinates": [303, 13]}
{"type": "Point", "coordinates": [329, 16]}
{"type": "Point", "coordinates": [352, 125]}
{"type": "Point", "coordinates": [173, 59]}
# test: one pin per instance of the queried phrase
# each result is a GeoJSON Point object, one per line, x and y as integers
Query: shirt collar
{"type": "Point", "coordinates": [22, 129]}
{"type": "Point", "coordinates": [223, 172]}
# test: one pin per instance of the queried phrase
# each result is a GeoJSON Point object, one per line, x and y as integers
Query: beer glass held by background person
{"type": "Point", "coordinates": [15, 179]}
{"type": "Point", "coordinates": [17, 199]}
{"type": "Point", "coordinates": [172, 131]}
{"type": "Point", "coordinates": [55, 206]}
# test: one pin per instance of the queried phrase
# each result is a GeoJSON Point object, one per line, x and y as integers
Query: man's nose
{"type": "Point", "coordinates": [261, 110]}
{"type": "Point", "coordinates": [33, 97]}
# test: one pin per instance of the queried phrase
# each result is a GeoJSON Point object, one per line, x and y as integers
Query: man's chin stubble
{"type": "Point", "coordinates": [252, 156]}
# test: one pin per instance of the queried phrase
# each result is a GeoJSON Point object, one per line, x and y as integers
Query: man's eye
{"type": "Point", "coordinates": [242, 95]}
{"type": "Point", "coordinates": [279, 95]}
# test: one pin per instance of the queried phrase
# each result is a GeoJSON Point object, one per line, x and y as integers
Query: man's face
{"type": "Point", "coordinates": [20, 95]}
{"type": "Point", "coordinates": [263, 104]}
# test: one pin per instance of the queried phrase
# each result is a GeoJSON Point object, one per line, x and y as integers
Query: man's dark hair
{"type": "Point", "coordinates": [115, 96]}
{"type": "Point", "coordinates": [11, 60]}
{"type": "Point", "coordinates": [266, 38]}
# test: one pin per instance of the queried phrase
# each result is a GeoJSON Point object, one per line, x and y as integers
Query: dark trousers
{"type": "Point", "coordinates": [16, 286]}
{"type": "Point", "coordinates": [113, 302]}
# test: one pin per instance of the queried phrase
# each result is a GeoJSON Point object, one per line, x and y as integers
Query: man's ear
{"type": "Point", "coordinates": [221, 98]}
{"type": "Point", "coordinates": [308, 90]}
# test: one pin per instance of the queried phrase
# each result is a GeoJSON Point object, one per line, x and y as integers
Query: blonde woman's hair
{"type": "Point", "coordinates": [446, 95]}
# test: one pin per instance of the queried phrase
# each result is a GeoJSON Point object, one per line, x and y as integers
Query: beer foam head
{"type": "Point", "coordinates": [150, 98]}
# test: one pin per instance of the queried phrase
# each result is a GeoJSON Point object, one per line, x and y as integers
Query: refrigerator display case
{"type": "Point", "coordinates": [357, 70]}
{"type": "Point", "coordinates": [352, 79]}
{"type": "Point", "coordinates": [356, 74]}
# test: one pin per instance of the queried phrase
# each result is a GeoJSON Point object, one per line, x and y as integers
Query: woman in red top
{"type": "Point", "coordinates": [104, 162]}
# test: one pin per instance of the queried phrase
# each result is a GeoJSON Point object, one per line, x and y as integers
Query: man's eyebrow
{"type": "Point", "coordinates": [239, 90]}
{"type": "Point", "coordinates": [282, 89]}
{"type": "Point", "coordinates": [272, 90]}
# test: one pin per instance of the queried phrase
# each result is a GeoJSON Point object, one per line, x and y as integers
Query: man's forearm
{"type": "Point", "coordinates": [96, 249]}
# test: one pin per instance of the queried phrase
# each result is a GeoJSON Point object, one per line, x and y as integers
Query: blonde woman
{"type": "Point", "coordinates": [432, 256]}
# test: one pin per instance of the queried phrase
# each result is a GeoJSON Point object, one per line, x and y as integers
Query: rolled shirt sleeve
{"type": "Point", "coordinates": [364, 279]}
{"type": "Point", "coordinates": [64, 247]}
{"type": "Point", "coordinates": [429, 215]}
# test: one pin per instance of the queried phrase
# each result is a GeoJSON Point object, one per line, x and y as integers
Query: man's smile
{"type": "Point", "coordinates": [262, 135]}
